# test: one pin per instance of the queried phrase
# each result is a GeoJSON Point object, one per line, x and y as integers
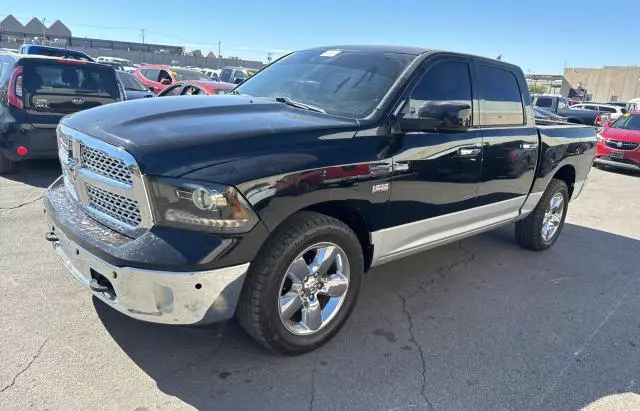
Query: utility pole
{"type": "Point", "coordinates": [219, 56]}
{"type": "Point", "coordinates": [269, 58]}
{"type": "Point", "coordinates": [142, 33]}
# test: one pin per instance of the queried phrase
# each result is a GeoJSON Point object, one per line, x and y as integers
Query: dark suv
{"type": "Point", "coordinates": [36, 92]}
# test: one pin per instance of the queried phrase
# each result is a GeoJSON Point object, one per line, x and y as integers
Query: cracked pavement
{"type": "Point", "coordinates": [478, 324]}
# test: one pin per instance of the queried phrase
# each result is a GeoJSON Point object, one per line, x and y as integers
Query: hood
{"type": "Point", "coordinates": [171, 136]}
{"type": "Point", "coordinates": [621, 134]}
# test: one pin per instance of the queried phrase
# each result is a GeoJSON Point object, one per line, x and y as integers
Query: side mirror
{"type": "Point", "coordinates": [151, 88]}
{"type": "Point", "coordinates": [238, 80]}
{"type": "Point", "coordinates": [446, 116]}
{"type": "Point", "coordinates": [165, 81]}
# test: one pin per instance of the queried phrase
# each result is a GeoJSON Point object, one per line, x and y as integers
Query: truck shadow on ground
{"type": "Point", "coordinates": [36, 173]}
{"type": "Point", "coordinates": [375, 362]}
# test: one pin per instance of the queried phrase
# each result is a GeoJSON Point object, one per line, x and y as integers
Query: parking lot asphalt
{"type": "Point", "coordinates": [478, 324]}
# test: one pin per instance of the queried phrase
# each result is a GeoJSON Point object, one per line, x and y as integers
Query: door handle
{"type": "Point", "coordinates": [468, 152]}
{"type": "Point", "coordinates": [529, 146]}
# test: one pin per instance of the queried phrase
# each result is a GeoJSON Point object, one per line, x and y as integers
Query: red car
{"type": "Point", "coordinates": [192, 88]}
{"type": "Point", "coordinates": [619, 143]}
{"type": "Point", "coordinates": [158, 77]}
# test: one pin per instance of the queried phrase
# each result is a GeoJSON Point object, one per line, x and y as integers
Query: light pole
{"type": "Point", "coordinates": [219, 57]}
{"type": "Point", "coordinates": [44, 29]}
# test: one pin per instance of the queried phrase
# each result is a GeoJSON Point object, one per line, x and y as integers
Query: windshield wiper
{"type": "Point", "coordinates": [297, 104]}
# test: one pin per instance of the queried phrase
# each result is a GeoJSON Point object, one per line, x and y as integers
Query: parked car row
{"type": "Point", "coordinates": [576, 113]}
{"type": "Point", "coordinates": [37, 90]}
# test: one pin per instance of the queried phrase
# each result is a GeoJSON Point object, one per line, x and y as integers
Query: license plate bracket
{"type": "Point", "coordinates": [616, 155]}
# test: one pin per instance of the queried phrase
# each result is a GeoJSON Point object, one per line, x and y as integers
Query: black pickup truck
{"type": "Point", "coordinates": [272, 202]}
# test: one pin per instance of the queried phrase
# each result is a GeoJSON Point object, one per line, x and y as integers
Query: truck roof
{"type": "Point", "coordinates": [410, 50]}
{"type": "Point", "coordinates": [382, 49]}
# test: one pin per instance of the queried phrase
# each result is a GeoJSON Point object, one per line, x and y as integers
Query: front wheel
{"type": "Point", "coordinates": [540, 229]}
{"type": "Point", "coordinates": [303, 285]}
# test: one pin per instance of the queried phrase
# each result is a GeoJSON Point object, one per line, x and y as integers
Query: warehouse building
{"type": "Point", "coordinates": [607, 84]}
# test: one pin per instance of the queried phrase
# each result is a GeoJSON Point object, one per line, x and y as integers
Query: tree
{"type": "Point", "coordinates": [537, 88]}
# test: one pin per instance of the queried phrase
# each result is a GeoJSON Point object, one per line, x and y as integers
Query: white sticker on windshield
{"type": "Point", "coordinates": [330, 53]}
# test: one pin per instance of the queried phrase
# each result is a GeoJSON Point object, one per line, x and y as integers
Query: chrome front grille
{"type": "Point", "coordinates": [114, 205]}
{"type": "Point", "coordinates": [621, 145]}
{"type": "Point", "coordinates": [105, 182]}
{"type": "Point", "coordinates": [102, 163]}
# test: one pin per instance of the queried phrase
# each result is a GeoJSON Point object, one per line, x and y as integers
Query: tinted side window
{"type": "Point", "coordinates": [226, 75]}
{"type": "Point", "coordinates": [500, 98]}
{"type": "Point", "coordinates": [544, 102]}
{"type": "Point", "coordinates": [443, 95]}
{"type": "Point", "coordinates": [607, 109]}
{"type": "Point", "coordinates": [152, 74]}
{"type": "Point", "coordinates": [239, 74]}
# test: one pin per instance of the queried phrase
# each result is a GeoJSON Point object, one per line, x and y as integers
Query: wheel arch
{"type": "Point", "coordinates": [567, 173]}
{"type": "Point", "coordinates": [349, 214]}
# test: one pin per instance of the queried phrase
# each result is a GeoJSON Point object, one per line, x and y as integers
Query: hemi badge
{"type": "Point", "coordinates": [380, 188]}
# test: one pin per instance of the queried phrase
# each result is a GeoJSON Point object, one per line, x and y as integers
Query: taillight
{"type": "Point", "coordinates": [598, 121]}
{"type": "Point", "coordinates": [14, 96]}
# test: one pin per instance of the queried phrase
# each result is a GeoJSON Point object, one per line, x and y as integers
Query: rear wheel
{"type": "Point", "coordinates": [543, 226]}
{"type": "Point", "coordinates": [6, 166]}
{"type": "Point", "coordinates": [303, 285]}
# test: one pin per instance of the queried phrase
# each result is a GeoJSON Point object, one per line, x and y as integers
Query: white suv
{"type": "Point", "coordinates": [615, 111]}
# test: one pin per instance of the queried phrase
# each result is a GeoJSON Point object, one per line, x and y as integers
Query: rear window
{"type": "Point", "coordinates": [500, 97]}
{"type": "Point", "coordinates": [544, 102]}
{"type": "Point", "coordinates": [63, 78]}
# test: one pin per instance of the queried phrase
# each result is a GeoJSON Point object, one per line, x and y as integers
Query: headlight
{"type": "Point", "coordinates": [200, 206]}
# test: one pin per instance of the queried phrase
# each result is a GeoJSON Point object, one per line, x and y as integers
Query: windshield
{"type": "Point", "coordinates": [131, 83]}
{"type": "Point", "coordinates": [342, 82]}
{"type": "Point", "coordinates": [192, 75]}
{"type": "Point", "coordinates": [628, 122]}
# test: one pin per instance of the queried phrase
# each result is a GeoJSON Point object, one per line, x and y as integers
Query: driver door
{"type": "Point", "coordinates": [436, 173]}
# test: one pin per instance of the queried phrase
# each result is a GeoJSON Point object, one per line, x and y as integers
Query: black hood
{"type": "Point", "coordinates": [172, 136]}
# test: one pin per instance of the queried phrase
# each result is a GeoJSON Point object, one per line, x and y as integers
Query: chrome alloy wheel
{"type": "Point", "coordinates": [314, 288]}
{"type": "Point", "coordinates": [552, 217]}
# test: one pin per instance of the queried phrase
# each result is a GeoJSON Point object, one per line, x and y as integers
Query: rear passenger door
{"type": "Point", "coordinates": [509, 138]}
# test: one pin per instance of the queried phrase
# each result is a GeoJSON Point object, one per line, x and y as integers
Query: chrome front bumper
{"type": "Point", "coordinates": [157, 296]}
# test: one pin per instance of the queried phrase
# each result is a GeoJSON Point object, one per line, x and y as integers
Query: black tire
{"type": "Point", "coordinates": [6, 166]}
{"type": "Point", "coordinates": [529, 230]}
{"type": "Point", "coordinates": [258, 310]}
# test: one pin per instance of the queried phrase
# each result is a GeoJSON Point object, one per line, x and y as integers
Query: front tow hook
{"type": "Point", "coordinates": [51, 236]}
{"type": "Point", "coordinates": [95, 286]}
